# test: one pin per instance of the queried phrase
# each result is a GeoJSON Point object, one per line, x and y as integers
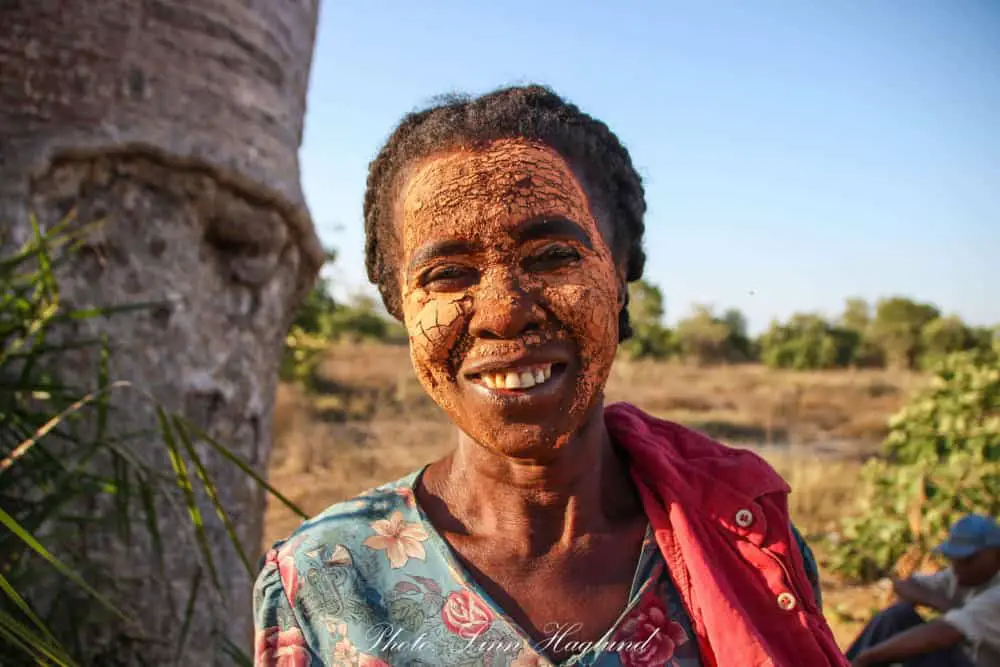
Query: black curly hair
{"type": "Point", "coordinates": [531, 112]}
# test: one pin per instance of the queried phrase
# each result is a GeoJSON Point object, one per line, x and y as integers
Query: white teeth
{"type": "Point", "coordinates": [518, 379]}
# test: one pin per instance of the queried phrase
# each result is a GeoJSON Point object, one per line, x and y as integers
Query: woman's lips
{"type": "Point", "coordinates": [519, 387]}
{"type": "Point", "coordinates": [520, 379]}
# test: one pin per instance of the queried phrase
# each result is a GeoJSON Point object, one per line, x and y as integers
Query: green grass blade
{"type": "Point", "coordinates": [19, 602]}
{"type": "Point", "coordinates": [242, 465]}
{"type": "Point", "coordinates": [15, 640]}
{"type": "Point", "coordinates": [14, 527]}
{"type": "Point", "coordinates": [104, 311]}
{"type": "Point", "coordinates": [237, 654]}
{"type": "Point", "coordinates": [120, 472]}
{"type": "Point", "coordinates": [8, 265]}
{"type": "Point", "coordinates": [184, 482]}
{"type": "Point", "coordinates": [21, 449]}
{"type": "Point", "coordinates": [48, 282]}
{"type": "Point", "coordinates": [152, 522]}
{"type": "Point", "coordinates": [40, 349]}
{"type": "Point", "coordinates": [188, 614]}
{"type": "Point", "coordinates": [31, 643]}
{"type": "Point", "coordinates": [147, 501]}
{"type": "Point", "coordinates": [212, 492]}
{"type": "Point", "coordinates": [103, 380]}
{"type": "Point", "coordinates": [15, 597]}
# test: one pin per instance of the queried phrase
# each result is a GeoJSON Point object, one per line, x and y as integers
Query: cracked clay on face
{"type": "Point", "coordinates": [510, 293]}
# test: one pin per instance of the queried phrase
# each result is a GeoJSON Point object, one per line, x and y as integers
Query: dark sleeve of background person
{"type": "Point", "coordinates": [812, 569]}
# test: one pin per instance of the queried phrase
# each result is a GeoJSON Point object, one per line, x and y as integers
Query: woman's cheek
{"type": "Point", "coordinates": [434, 324]}
{"type": "Point", "coordinates": [589, 307]}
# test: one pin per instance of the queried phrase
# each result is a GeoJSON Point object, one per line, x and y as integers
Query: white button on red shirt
{"type": "Point", "coordinates": [786, 601]}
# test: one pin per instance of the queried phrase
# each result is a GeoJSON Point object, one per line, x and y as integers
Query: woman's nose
{"type": "Point", "coordinates": [504, 311]}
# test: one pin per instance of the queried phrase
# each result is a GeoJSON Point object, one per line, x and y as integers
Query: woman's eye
{"type": "Point", "coordinates": [446, 275]}
{"type": "Point", "coordinates": [553, 256]}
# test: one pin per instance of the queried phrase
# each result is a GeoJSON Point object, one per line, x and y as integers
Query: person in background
{"type": "Point", "coordinates": [966, 593]}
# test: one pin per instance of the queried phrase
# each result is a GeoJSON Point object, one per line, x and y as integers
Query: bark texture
{"type": "Point", "coordinates": [178, 123]}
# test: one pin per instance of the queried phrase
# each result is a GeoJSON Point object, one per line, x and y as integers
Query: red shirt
{"type": "Point", "coordinates": [720, 516]}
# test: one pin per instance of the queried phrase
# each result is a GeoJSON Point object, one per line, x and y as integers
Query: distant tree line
{"type": "Point", "coordinates": [894, 332]}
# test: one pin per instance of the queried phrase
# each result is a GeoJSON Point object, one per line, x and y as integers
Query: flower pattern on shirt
{"type": "Point", "coordinates": [648, 636]}
{"type": "Point", "coordinates": [280, 648]}
{"type": "Point", "coordinates": [466, 615]}
{"type": "Point", "coordinates": [401, 540]}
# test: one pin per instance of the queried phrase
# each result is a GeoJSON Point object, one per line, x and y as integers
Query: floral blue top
{"type": "Point", "coordinates": [370, 583]}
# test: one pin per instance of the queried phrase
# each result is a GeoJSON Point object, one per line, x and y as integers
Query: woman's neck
{"type": "Point", "coordinates": [535, 507]}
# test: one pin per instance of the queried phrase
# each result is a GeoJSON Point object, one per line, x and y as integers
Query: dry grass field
{"type": "Point", "coordinates": [371, 423]}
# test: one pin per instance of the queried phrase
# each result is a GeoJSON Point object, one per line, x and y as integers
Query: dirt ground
{"type": "Point", "coordinates": [370, 422]}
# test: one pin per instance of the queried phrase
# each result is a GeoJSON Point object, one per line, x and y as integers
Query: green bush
{"type": "Point", "coordinates": [942, 336]}
{"type": "Point", "coordinates": [897, 327]}
{"type": "Point", "coordinates": [808, 342]}
{"type": "Point", "coordinates": [705, 338]}
{"type": "Point", "coordinates": [301, 357]}
{"type": "Point", "coordinates": [362, 319]}
{"type": "Point", "coordinates": [58, 448]}
{"type": "Point", "coordinates": [650, 338]}
{"type": "Point", "coordinates": [940, 460]}
{"type": "Point", "coordinates": [313, 316]}
{"type": "Point", "coordinates": [321, 321]}
{"type": "Point", "coordinates": [650, 341]}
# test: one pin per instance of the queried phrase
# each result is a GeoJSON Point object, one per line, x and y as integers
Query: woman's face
{"type": "Point", "coordinates": [510, 293]}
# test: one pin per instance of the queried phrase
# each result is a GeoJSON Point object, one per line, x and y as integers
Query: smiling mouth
{"type": "Point", "coordinates": [518, 379]}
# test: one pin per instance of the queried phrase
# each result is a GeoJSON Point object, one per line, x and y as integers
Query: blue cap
{"type": "Point", "coordinates": [971, 533]}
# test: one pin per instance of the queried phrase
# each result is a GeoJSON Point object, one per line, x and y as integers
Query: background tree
{"type": "Point", "coordinates": [363, 318]}
{"type": "Point", "coordinates": [897, 328]}
{"type": "Point", "coordinates": [313, 315]}
{"type": "Point", "coordinates": [807, 342]}
{"type": "Point", "coordinates": [645, 303]}
{"type": "Point", "coordinates": [178, 124]}
{"type": "Point", "coordinates": [856, 315]}
{"type": "Point", "coordinates": [650, 337]}
{"type": "Point", "coordinates": [942, 336]}
{"type": "Point", "coordinates": [740, 345]}
{"type": "Point", "coordinates": [985, 338]}
{"type": "Point", "coordinates": [857, 318]}
{"type": "Point", "coordinates": [704, 338]}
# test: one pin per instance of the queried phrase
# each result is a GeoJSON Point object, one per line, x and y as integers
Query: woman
{"type": "Point", "coordinates": [503, 232]}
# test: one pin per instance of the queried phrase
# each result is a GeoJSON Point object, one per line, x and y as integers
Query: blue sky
{"type": "Point", "coordinates": [794, 154]}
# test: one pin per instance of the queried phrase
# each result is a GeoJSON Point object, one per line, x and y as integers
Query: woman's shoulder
{"type": "Point", "coordinates": [352, 541]}
{"type": "Point", "coordinates": [327, 577]}
{"type": "Point", "coordinates": [349, 522]}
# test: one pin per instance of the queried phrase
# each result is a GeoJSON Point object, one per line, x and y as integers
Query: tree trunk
{"type": "Point", "coordinates": [178, 123]}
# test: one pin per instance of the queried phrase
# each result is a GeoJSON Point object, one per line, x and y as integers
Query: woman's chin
{"type": "Point", "coordinates": [531, 422]}
{"type": "Point", "coordinates": [538, 443]}
{"type": "Point", "coordinates": [517, 430]}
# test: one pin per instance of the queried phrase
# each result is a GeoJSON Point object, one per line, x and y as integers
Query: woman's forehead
{"type": "Point", "coordinates": [493, 170]}
{"type": "Point", "coordinates": [494, 183]}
